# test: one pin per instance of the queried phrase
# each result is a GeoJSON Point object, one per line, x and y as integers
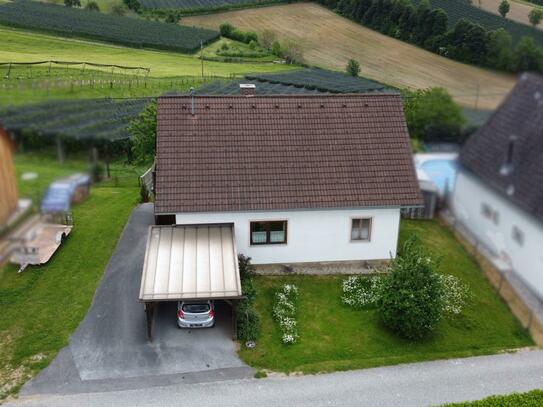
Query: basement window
{"type": "Point", "coordinates": [361, 230]}
{"type": "Point", "coordinates": [269, 232]}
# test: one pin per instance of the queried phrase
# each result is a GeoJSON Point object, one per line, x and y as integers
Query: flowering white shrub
{"type": "Point", "coordinates": [284, 312]}
{"type": "Point", "coordinates": [361, 291]}
{"type": "Point", "coordinates": [455, 294]}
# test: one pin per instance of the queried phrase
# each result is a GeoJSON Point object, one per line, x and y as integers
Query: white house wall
{"type": "Point", "coordinates": [526, 259]}
{"type": "Point", "coordinates": [312, 235]}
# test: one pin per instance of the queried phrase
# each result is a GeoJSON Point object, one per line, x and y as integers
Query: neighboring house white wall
{"type": "Point", "coordinates": [312, 235]}
{"type": "Point", "coordinates": [496, 232]}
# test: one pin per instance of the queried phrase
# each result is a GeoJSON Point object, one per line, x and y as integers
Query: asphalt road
{"type": "Point", "coordinates": [109, 349]}
{"type": "Point", "coordinates": [418, 384]}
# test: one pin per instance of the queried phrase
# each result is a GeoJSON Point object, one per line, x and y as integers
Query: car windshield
{"type": "Point", "coordinates": [195, 308]}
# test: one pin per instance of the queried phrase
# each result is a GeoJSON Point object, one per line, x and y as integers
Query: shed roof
{"type": "Point", "coordinates": [185, 262]}
{"type": "Point", "coordinates": [239, 153]}
{"type": "Point", "coordinates": [520, 116]}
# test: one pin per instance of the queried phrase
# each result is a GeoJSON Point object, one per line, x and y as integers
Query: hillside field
{"type": "Point", "coordinates": [26, 46]}
{"type": "Point", "coordinates": [329, 41]}
{"type": "Point", "coordinates": [518, 12]}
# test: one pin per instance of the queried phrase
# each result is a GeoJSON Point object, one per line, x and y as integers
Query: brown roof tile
{"type": "Point", "coordinates": [283, 152]}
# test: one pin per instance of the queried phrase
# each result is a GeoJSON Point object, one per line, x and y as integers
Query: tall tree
{"type": "Point", "coordinates": [527, 56]}
{"type": "Point", "coordinates": [535, 16]}
{"type": "Point", "coordinates": [353, 67]}
{"type": "Point", "coordinates": [504, 8]}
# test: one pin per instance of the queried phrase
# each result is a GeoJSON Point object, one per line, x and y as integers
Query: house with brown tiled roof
{"type": "Point", "coordinates": [498, 193]}
{"type": "Point", "coordinates": [302, 178]}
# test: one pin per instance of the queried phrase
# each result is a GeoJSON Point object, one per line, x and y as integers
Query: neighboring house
{"type": "Point", "coordinates": [498, 194]}
{"type": "Point", "coordinates": [313, 178]}
{"type": "Point", "coordinates": [8, 181]}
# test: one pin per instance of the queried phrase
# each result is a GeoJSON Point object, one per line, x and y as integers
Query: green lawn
{"type": "Point", "coordinates": [26, 46]}
{"type": "Point", "coordinates": [530, 399]}
{"type": "Point", "coordinates": [42, 306]}
{"type": "Point", "coordinates": [27, 85]}
{"type": "Point", "coordinates": [336, 337]}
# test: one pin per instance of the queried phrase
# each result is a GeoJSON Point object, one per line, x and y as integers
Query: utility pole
{"type": "Point", "coordinates": [477, 97]}
{"type": "Point", "coordinates": [202, 56]}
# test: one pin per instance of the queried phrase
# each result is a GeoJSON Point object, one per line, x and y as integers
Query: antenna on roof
{"type": "Point", "coordinates": [192, 93]}
{"type": "Point", "coordinates": [508, 165]}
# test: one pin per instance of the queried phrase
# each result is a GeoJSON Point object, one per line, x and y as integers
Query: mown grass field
{"type": "Point", "coordinates": [26, 46]}
{"type": "Point", "coordinates": [329, 41]}
{"type": "Point", "coordinates": [336, 337]}
{"type": "Point", "coordinates": [43, 305]}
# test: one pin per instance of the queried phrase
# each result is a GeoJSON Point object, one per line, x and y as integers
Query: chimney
{"type": "Point", "coordinates": [247, 89]}
{"type": "Point", "coordinates": [508, 166]}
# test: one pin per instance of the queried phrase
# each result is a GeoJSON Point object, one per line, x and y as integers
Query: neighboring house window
{"type": "Point", "coordinates": [273, 232]}
{"type": "Point", "coordinates": [487, 211]}
{"type": "Point", "coordinates": [361, 229]}
{"type": "Point", "coordinates": [490, 213]}
{"type": "Point", "coordinates": [518, 235]}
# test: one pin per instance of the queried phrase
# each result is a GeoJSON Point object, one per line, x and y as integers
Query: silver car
{"type": "Point", "coordinates": [196, 314]}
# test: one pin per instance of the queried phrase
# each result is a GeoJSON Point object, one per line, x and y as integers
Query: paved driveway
{"type": "Point", "coordinates": [110, 343]}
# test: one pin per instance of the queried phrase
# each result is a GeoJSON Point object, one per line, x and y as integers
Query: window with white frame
{"type": "Point", "coordinates": [361, 229]}
{"type": "Point", "coordinates": [269, 232]}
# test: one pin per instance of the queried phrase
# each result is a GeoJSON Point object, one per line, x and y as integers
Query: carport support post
{"type": "Point", "coordinates": [150, 312]}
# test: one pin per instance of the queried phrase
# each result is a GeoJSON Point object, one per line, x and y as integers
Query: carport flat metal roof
{"type": "Point", "coordinates": [185, 262]}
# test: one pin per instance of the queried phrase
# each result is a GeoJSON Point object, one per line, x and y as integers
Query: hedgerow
{"type": "Point", "coordinates": [530, 399]}
{"type": "Point", "coordinates": [463, 39]}
{"type": "Point", "coordinates": [106, 27]}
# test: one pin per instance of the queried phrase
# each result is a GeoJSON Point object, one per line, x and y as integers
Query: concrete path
{"type": "Point", "coordinates": [110, 343]}
{"type": "Point", "coordinates": [418, 384]}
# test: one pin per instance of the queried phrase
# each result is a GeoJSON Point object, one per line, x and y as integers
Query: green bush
{"type": "Point", "coordinates": [227, 30]}
{"type": "Point", "coordinates": [143, 132]}
{"type": "Point", "coordinates": [530, 399]}
{"type": "Point", "coordinates": [246, 268]}
{"type": "Point", "coordinates": [248, 322]}
{"type": "Point", "coordinates": [411, 301]}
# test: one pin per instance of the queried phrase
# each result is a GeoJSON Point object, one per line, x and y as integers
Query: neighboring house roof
{"type": "Point", "coordinates": [248, 153]}
{"type": "Point", "coordinates": [519, 117]}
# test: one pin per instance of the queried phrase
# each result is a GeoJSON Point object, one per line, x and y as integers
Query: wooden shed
{"type": "Point", "coordinates": [8, 181]}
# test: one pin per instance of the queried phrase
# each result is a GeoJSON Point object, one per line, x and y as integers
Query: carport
{"type": "Point", "coordinates": [189, 262]}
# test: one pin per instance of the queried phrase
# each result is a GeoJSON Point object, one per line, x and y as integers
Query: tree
{"type": "Point", "coordinates": [504, 8]}
{"type": "Point", "coordinates": [499, 49]}
{"type": "Point", "coordinates": [527, 56]}
{"type": "Point", "coordinates": [172, 18]}
{"type": "Point", "coordinates": [143, 132]}
{"type": "Point", "coordinates": [411, 300]}
{"type": "Point", "coordinates": [118, 9]}
{"type": "Point", "coordinates": [133, 5]}
{"type": "Point", "coordinates": [353, 67]}
{"type": "Point", "coordinates": [428, 110]}
{"type": "Point", "coordinates": [92, 6]}
{"type": "Point", "coordinates": [535, 16]}
{"type": "Point", "coordinates": [267, 38]}
{"type": "Point", "coordinates": [72, 3]}
{"type": "Point", "coordinates": [276, 48]}
{"type": "Point", "coordinates": [292, 52]}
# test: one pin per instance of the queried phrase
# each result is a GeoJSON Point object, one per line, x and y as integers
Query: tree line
{"type": "Point", "coordinates": [428, 28]}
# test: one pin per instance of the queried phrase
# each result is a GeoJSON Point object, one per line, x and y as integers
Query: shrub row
{"type": "Point", "coordinates": [247, 318]}
{"type": "Point", "coordinates": [530, 399]}
{"type": "Point", "coordinates": [229, 31]}
{"type": "Point", "coordinates": [106, 27]}
{"type": "Point", "coordinates": [429, 28]}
